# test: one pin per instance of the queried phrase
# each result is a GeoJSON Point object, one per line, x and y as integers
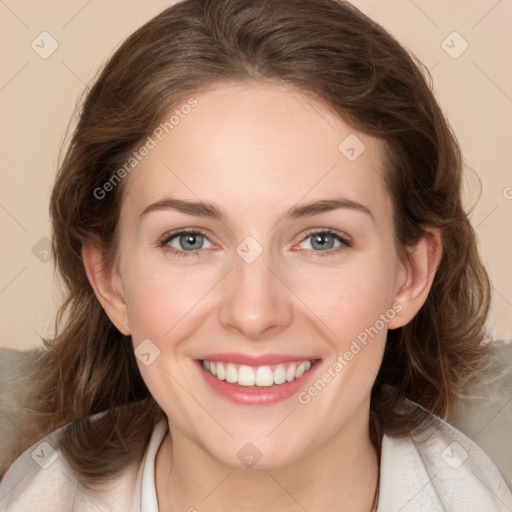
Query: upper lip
{"type": "Point", "coordinates": [256, 360]}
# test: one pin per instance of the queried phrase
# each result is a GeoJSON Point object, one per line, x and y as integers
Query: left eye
{"type": "Point", "coordinates": [323, 242]}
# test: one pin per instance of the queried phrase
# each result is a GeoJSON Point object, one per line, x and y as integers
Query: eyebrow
{"type": "Point", "coordinates": [210, 210]}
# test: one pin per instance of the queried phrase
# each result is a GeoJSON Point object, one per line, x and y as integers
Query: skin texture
{"type": "Point", "coordinates": [256, 150]}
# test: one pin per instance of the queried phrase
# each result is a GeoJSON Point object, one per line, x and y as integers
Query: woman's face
{"type": "Point", "coordinates": [268, 287]}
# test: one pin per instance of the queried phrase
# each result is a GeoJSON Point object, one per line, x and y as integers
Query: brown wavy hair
{"type": "Point", "coordinates": [326, 48]}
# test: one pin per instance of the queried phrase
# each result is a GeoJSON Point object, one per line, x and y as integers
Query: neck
{"type": "Point", "coordinates": [341, 475]}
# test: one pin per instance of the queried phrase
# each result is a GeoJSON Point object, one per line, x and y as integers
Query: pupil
{"type": "Point", "coordinates": [321, 240]}
{"type": "Point", "coordinates": [190, 239]}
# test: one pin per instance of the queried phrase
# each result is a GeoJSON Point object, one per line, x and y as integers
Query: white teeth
{"type": "Point", "coordinates": [263, 376]}
{"type": "Point", "coordinates": [231, 373]}
{"type": "Point", "coordinates": [280, 374]}
{"type": "Point", "coordinates": [221, 372]}
{"type": "Point", "coordinates": [290, 373]}
{"type": "Point", "coordinates": [246, 376]}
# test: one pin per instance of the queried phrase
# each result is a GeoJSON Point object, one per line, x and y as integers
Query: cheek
{"type": "Point", "coordinates": [157, 314]}
{"type": "Point", "coordinates": [161, 296]}
{"type": "Point", "coordinates": [348, 299]}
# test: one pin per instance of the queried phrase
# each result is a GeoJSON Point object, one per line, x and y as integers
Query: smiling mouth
{"type": "Point", "coordinates": [257, 376]}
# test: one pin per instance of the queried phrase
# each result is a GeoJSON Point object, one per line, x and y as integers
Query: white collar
{"type": "Point", "coordinates": [148, 499]}
{"type": "Point", "coordinates": [436, 470]}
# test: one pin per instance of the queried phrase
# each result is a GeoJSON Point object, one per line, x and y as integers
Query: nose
{"type": "Point", "coordinates": [256, 301]}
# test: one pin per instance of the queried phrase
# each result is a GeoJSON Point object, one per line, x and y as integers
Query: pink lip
{"type": "Point", "coordinates": [261, 360]}
{"type": "Point", "coordinates": [252, 395]}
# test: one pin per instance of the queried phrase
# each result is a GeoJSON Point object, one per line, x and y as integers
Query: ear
{"type": "Point", "coordinates": [420, 269]}
{"type": "Point", "coordinates": [107, 286]}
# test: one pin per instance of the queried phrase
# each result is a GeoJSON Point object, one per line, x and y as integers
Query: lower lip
{"type": "Point", "coordinates": [249, 395]}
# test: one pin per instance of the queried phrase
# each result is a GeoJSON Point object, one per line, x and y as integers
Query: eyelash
{"type": "Point", "coordinates": [345, 242]}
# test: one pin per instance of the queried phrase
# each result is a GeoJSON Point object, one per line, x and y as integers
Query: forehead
{"type": "Point", "coordinates": [242, 144]}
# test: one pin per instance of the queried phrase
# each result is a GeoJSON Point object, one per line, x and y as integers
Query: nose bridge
{"type": "Point", "coordinates": [255, 299]}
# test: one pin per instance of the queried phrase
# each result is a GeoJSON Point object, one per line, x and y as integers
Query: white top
{"type": "Point", "coordinates": [439, 470]}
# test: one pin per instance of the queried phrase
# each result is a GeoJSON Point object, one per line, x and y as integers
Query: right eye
{"type": "Point", "coordinates": [184, 243]}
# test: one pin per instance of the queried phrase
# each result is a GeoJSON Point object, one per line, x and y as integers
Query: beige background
{"type": "Point", "coordinates": [38, 96]}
